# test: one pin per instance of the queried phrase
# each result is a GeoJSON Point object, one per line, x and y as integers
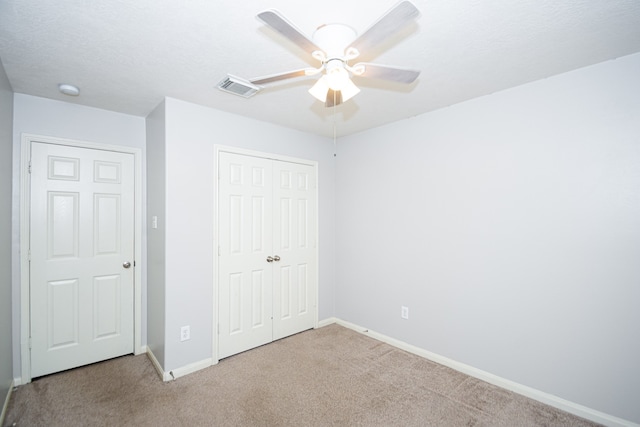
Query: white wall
{"type": "Point", "coordinates": [191, 132]}
{"type": "Point", "coordinates": [510, 227]}
{"type": "Point", "coordinates": [6, 123]}
{"type": "Point", "coordinates": [47, 117]}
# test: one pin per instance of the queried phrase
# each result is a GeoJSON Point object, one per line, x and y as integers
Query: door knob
{"type": "Point", "coordinates": [126, 264]}
{"type": "Point", "coordinates": [269, 258]}
{"type": "Point", "coordinates": [276, 258]}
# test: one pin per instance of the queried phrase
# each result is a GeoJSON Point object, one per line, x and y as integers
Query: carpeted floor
{"type": "Point", "coordinates": [330, 376]}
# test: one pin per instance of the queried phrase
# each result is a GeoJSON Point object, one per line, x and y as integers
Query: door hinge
{"type": "Point", "coordinates": [29, 255]}
{"type": "Point", "coordinates": [29, 343]}
{"type": "Point", "coordinates": [29, 166]}
{"type": "Point", "coordinates": [134, 262]}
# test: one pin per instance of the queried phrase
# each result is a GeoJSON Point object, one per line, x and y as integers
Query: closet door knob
{"type": "Point", "coordinates": [269, 258]}
{"type": "Point", "coordinates": [276, 258]}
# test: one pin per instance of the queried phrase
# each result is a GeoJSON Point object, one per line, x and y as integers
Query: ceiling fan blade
{"type": "Point", "coordinates": [394, 74]}
{"type": "Point", "coordinates": [280, 76]}
{"type": "Point", "coordinates": [391, 22]}
{"type": "Point", "coordinates": [275, 20]}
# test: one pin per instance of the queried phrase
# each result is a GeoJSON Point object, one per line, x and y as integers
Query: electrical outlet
{"type": "Point", "coordinates": [404, 312]}
{"type": "Point", "coordinates": [185, 333]}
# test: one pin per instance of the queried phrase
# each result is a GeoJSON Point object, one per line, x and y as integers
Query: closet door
{"type": "Point", "coordinates": [245, 277]}
{"type": "Point", "coordinates": [267, 279]}
{"type": "Point", "coordinates": [294, 243]}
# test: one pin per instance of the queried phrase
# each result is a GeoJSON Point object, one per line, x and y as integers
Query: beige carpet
{"type": "Point", "coordinates": [331, 376]}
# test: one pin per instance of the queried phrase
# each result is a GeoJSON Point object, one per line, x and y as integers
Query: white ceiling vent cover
{"type": "Point", "coordinates": [238, 86]}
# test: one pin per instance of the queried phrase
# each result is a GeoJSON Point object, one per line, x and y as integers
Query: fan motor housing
{"type": "Point", "coordinates": [334, 39]}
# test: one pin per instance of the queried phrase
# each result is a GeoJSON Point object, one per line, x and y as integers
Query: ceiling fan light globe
{"type": "Point", "coordinates": [320, 89]}
{"type": "Point", "coordinates": [337, 78]}
{"type": "Point", "coordinates": [349, 90]}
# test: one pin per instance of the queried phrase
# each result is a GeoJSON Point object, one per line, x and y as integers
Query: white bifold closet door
{"type": "Point", "coordinates": [267, 279]}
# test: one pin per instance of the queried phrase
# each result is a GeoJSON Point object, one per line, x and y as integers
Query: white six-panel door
{"type": "Point", "coordinates": [81, 239]}
{"type": "Point", "coordinates": [294, 241]}
{"type": "Point", "coordinates": [267, 256]}
{"type": "Point", "coordinates": [245, 277]}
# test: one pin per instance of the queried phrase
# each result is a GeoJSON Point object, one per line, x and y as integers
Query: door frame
{"type": "Point", "coordinates": [25, 237]}
{"type": "Point", "coordinates": [217, 148]}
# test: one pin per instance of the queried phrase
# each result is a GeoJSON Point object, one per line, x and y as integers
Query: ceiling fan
{"type": "Point", "coordinates": [334, 45]}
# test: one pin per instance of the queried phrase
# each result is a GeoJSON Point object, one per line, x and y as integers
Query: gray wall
{"type": "Point", "coordinates": [6, 124]}
{"type": "Point", "coordinates": [156, 237]}
{"type": "Point", "coordinates": [189, 187]}
{"type": "Point", "coordinates": [47, 117]}
{"type": "Point", "coordinates": [510, 227]}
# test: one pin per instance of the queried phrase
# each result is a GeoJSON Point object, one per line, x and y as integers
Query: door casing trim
{"type": "Point", "coordinates": [25, 198]}
{"type": "Point", "coordinates": [235, 150]}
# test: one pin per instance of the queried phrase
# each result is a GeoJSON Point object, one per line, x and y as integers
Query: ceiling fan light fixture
{"type": "Point", "coordinates": [320, 89]}
{"type": "Point", "coordinates": [349, 90]}
{"type": "Point", "coordinates": [337, 78]}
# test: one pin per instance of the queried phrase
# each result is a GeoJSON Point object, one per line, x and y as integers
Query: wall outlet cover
{"type": "Point", "coordinates": [185, 333]}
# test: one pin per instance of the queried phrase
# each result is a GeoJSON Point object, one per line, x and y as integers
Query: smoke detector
{"type": "Point", "coordinates": [68, 89]}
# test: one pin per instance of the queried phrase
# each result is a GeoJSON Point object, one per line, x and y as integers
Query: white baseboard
{"type": "Point", "coordinates": [327, 322]}
{"type": "Point", "coordinates": [540, 396]}
{"type": "Point", "coordinates": [191, 368]}
{"type": "Point", "coordinates": [6, 402]}
{"type": "Point", "coordinates": [156, 365]}
{"type": "Point", "coordinates": [181, 371]}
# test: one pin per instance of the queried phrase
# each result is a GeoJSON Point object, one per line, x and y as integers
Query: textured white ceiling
{"type": "Point", "coordinates": [126, 55]}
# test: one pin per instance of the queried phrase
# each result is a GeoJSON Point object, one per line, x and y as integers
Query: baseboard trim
{"type": "Point", "coordinates": [178, 372]}
{"type": "Point", "coordinates": [156, 365]}
{"type": "Point", "coordinates": [327, 322]}
{"type": "Point", "coordinates": [191, 368]}
{"type": "Point", "coordinates": [540, 396]}
{"type": "Point", "coordinates": [6, 402]}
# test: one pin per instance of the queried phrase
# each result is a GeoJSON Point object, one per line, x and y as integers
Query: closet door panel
{"type": "Point", "coordinates": [244, 277]}
{"type": "Point", "coordinates": [294, 242]}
